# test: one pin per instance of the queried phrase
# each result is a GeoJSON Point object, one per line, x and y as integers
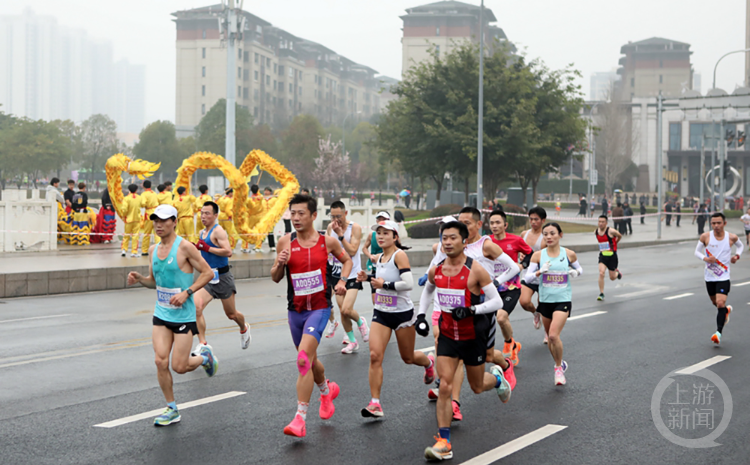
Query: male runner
{"type": "Point", "coordinates": [149, 202]}
{"type": "Point", "coordinates": [715, 248]}
{"type": "Point", "coordinates": [459, 281]}
{"type": "Point", "coordinates": [171, 274]}
{"type": "Point", "coordinates": [607, 239]}
{"type": "Point", "coordinates": [349, 235]}
{"type": "Point", "coordinates": [533, 237]}
{"type": "Point", "coordinates": [303, 257]}
{"type": "Point", "coordinates": [132, 210]}
{"type": "Point", "coordinates": [510, 291]}
{"type": "Point", "coordinates": [214, 246]}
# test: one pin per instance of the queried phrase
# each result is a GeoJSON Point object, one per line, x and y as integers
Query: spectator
{"type": "Point", "coordinates": [643, 209]}
{"type": "Point", "coordinates": [701, 218]}
{"type": "Point", "coordinates": [678, 210]}
{"type": "Point", "coordinates": [52, 190]}
{"type": "Point", "coordinates": [668, 209]}
{"type": "Point", "coordinates": [68, 195]}
{"type": "Point", "coordinates": [582, 207]}
{"type": "Point", "coordinates": [628, 220]}
{"type": "Point", "coordinates": [605, 207]}
{"type": "Point", "coordinates": [81, 198]}
{"type": "Point", "coordinates": [617, 213]}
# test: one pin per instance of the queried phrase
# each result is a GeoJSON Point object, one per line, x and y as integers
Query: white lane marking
{"type": "Point", "coordinates": [704, 364]}
{"type": "Point", "coordinates": [742, 284]}
{"type": "Point", "coordinates": [427, 349]}
{"type": "Point", "coordinates": [515, 445]}
{"type": "Point", "coordinates": [153, 413]}
{"type": "Point", "coordinates": [586, 315]}
{"type": "Point", "coordinates": [679, 296]}
{"type": "Point", "coordinates": [35, 318]}
{"type": "Point", "coordinates": [637, 293]}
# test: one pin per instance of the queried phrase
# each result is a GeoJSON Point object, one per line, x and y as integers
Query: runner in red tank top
{"type": "Point", "coordinates": [607, 239]}
{"type": "Point", "coordinates": [302, 258]}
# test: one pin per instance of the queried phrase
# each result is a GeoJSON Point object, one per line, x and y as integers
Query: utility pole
{"type": "Point", "coordinates": [713, 167]}
{"type": "Point", "coordinates": [722, 160]}
{"type": "Point", "coordinates": [232, 26]}
{"type": "Point", "coordinates": [660, 164]}
{"type": "Point", "coordinates": [480, 143]}
{"type": "Point", "coordinates": [703, 166]}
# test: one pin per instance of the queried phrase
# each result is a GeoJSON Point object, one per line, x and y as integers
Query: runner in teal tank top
{"type": "Point", "coordinates": [171, 273]}
{"type": "Point", "coordinates": [553, 267]}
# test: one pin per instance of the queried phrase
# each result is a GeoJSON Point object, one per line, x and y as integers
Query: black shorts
{"type": "Point", "coordinates": [473, 351]}
{"type": "Point", "coordinates": [717, 287]}
{"type": "Point", "coordinates": [546, 309]}
{"type": "Point", "coordinates": [510, 299]}
{"type": "Point", "coordinates": [177, 328]}
{"type": "Point", "coordinates": [533, 287]}
{"type": "Point", "coordinates": [395, 320]}
{"type": "Point", "coordinates": [610, 261]}
{"type": "Point", "coordinates": [491, 330]}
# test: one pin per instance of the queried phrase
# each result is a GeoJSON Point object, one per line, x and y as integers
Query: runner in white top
{"type": "Point", "coordinates": [349, 234]}
{"type": "Point", "coordinates": [394, 312]}
{"type": "Point", "coordinates": [533, 237]}
{"type": "Point", "coordinates": [745, 222]}
{"type": "Point", "coordinates": [715, 248]}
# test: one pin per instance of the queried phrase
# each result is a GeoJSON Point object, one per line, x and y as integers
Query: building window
{"type": "Point", "coordinates": [437, 51]}
{"type": "Point", "coordinates": [203, 90]}
{"type": "Point", "coordinates": [203, 71]}
{"type": "Point", "coordinates": [661, 79]}
{"type": "Point", "coordinates": [661, 63]}
{"type": "Point", "coordinates": [204, 33]}
{"type": "Point", "coordinates": [203, 51]}
{"type": "Point", "coordinates": [256, 76]}
{"type": "Point", "coordinates": [290, 103]}
{"type": "Point", "coordinates": [697, 130]}
{"type": "Point", "coordinates": [281, 70]}
{"type": "Point", "coordinates": [300, 75]}
{"type": "Point", "coordinates": [632, 82]}
{"type": "Point", "coordinates": [239, 72]}
{"type": "Point", "coordinates": [268, 79]}
{"type": "Point", "coordinates": [291, 89]}
{"type": "Point", "coordinates": [256, 57]}
{"type": "Point", "coordinates": [255, 95]}
{"type": "Point", "coordinates": [203, 108]}
{"type": "Point", "coordinates": [275, 68]}
{"type": "Point", "coordinates": [675, 135]}
{"type": "Point", "coordinates": [291, 72]}
{"type": "Point", "coordinates": [246, 57]}
{"type": "Point", "coordinates": [239, 91]}
{"type": "Point", "coordinates": [268, 62]}
{"type": "Point", "coordinates": [255, 111]}
{"type": "Point", "coordinates": [246, 75]}
{"type": "Point", "coordinates": [245, 92]}
{"type": "Point", "coordinates": [274, 84]}
{"type": "Point", "coordinates": [274, 101]}
{"type": "Point", "coordinates": [437, 30]}
{"type": "Point", "coordinates": [299, 90]}
{"type": "Point", "coordinates": [239, 53]}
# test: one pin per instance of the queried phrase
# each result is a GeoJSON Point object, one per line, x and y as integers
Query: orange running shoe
{"type": "Point", "coordinates": [508, 348]}
{"type": "Point", "coordinates": [514, 356]}
{"type": "Point", "coordinates": [440, 451]}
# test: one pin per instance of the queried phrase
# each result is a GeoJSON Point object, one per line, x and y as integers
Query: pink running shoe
{"type": "Point", "coordinates": [432, 394]}
{"type": "Point", "coordinates": [510, 374]}
{"type": "Point", "coordinates": [537, 320]}
{"type": "Point", "coordinates": [372, 411]}
{"type": "Point", "coordinates": [296, 427]}
{"type": "Point", "coordinates": [429, 372]}
{"type": "Point", "coordinates": [364, 329]}
{"type": "Point", "coordinates": [457, 415]}
{"type": "Point", "coordinates": [327, 409]}
{"type": "Point", "coordinates": [350, 348]}
{"type": "Point", "coordinates": [330, 330]}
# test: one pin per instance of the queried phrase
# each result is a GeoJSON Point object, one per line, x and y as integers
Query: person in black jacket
{"type": "Point", "coordinates": [701, 218]}
{"type": "Point", "coordinates": [678, 210]}
{"type": "Point", "coordinates": [628, 226]}
{"type": "Point", "coordinates": [643, 211]}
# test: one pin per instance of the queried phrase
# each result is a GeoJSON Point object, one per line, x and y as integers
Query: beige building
{"type": "Point", "coordinates": [279, 75]}
{"type": "Point", "coordinates": [653, 65]}
{"type": "Point", "coordinates": [440, 27]}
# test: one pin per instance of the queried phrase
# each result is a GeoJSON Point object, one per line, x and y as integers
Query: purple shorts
{"type": "Point", "coordinates": [311, 322]}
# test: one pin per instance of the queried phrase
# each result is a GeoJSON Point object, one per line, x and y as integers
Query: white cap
{"type": "Point", "coordinates": [387, 225]}
{"type": "Point", "coordinates": [383, 214]}
{"type": "Point", "coordinates": [164, 212]}
{"type": "Point", "coordinates": [447, 219]}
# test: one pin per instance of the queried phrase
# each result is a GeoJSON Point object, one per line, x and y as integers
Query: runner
{"type": "Point", "coordinates": [715, 248]}
{"type": "Point", "coordinates": [371, 247]}
{"type": "Point", "coordinates": [171, 274]}
{"type": "Point", "coordinates": [463, 328]}
{"type": "Point", "coordinates": [394, 312]}
{"type": "Point", "coordinates": [349, 235]}
{"type": "Point", "coordinates": [303, 259]}
{"type": "Point", "coordinates": [533, 238]}
{"type": "Point", "coordinates": [607, 239]}
{"type": "Point", "coordinates": [510, 291]}
{"type": "Point", "coordinates": [745, 222]}
{"type": "Point", "coordinates": [149, 202]}
{"type": "Point", "coordinates": [215, 249]}
{"type": "Point", "coordinates": [132, 212]}
{"type": "Point", "coordinates": [555, 293]}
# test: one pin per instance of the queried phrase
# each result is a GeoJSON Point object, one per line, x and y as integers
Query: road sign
{"type": "Point", "coordinates": [594, 178]}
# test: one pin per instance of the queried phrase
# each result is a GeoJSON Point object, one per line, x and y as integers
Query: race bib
{"type": "Point", "coordinates": [500, 269]}
{"type": "Point", "coordinates": [555, 279]}
{"type": "Point", "coordinates": [449, 299]}
{"type": "Point", "coordinates": [307, 283]}
{"type": "Point", "coordinates": [164, 294]}
{"type": "Point", "coordinates": [216, 276]}
{"type": "Point", "coordinates": [386, 300]}
{"type": "Point", "coordinates": [715, 269]}
{"type": "Point", "coordinates": [604, 246]}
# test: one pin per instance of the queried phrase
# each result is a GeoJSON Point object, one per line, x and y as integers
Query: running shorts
{"type": "Point", "coordinates": [310, 322]}
{"type": "Point", "coordinates": [609, 261]}
{"type": "Point", "coordinates": [546, 309]}
{"type": "Point", "coordinates": [224, 288]}
{"type": "Point", "coordinates": [394, 320]}
{"type": "Point", "coordinates": [177, 328]}
{"type": "Point", "coordinates": [473, 351]}
{"type": "Point", "coordinates": [510, 299]}
{"type": "Point", "coordinates": [533, 287]}
{"type": "Point", "coordinates": [717, 287]}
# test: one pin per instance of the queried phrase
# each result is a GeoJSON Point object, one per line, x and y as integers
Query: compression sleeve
{"type": "Point", "coordinates": [577, 266]}
{"type": "Point", "coordinates": [406, 283]}
{"type": "Point", "coordinates": [701, 247]}
{"type": "Point", "coordinates": [492, 300]}
{"type": "Point", "coordinates": [740, 247]}
{"type": "Point", "coordinates": [531, 277]}
{"type": "Point", "coordinates": [427, 297]}
{"type": "Point", "coordinates": [512, 268]}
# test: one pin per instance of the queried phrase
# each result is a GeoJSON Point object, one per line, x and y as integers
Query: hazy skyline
{"type": "Point", "coordinates": [581, 32]}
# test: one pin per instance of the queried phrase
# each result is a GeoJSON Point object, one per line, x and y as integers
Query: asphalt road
{"type": "Point", "coordinates": [75, 361]}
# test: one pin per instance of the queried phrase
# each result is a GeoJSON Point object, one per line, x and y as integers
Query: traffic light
{"type": "Point", "coordinates": [740, 138]}
{"type": "Point", "coordinates": [727, 167]}
{"type": "Point", "coordinates": [730, 136]}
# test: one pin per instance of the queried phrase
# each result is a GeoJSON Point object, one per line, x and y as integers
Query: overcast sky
{"type": "Point", "coordinates": [587, 33]}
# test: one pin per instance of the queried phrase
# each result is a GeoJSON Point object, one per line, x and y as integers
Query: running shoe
{"type": "Point", "coordinates": [429, 372]}
{"type": "Point", "coordinates": [296, 427]}
{"type": "Point", "coordinates": [167, 417]}
{"type": "Point", "coordinates": [716, 338]}
{"type": "Point", "coordinates": [123, 254]}
{"type": "Point", "coordinates": [457, 415]}
{"type": "Point", "coordinates": [372, 410]}
{"type": "Point", "coordinates": [364, 329]}
{"type": "Point", "coordinates": [507, 348]}
{"type": "Point", "coordinates": [504, 390]}
{"type": "Point", "coordinates": [350, 348]}
{"type": "Point", "coordinates": [346, 340]}
{"type": "Point", "coordinates": [516, 350]}
{"type": "Point", "coordinates": [601, 297]}
{"type": "Point", "coordinates": [197, 350]}
{"type": "Point", "coordinates": [331, 329]}
{"type": "Point", "coordinates": [546, 338]}
{"type": "Point", "coordinates": [327, 409]}
{"type": "Point", "coordinates": [559, 376]}
{"type": "Point", "coordinates": [245, 337]}
{"type": "Point", "coordinates": [273, 249]}
{"type": "Point", "coordinates": [729, 310]}
{"type": "Point", "coordinates": [440, 451]}
{"type": "Point", "coordinates": [432, 394]}
{"type": "Point", "coordinates": [619, 275]}
{"type": "Point", "coordinates": [537, 320]}
{"type": "Point", "coordinates": [510, 375]}
{"type": "Point", "coordinates": [135, 255]}
{"type": "Point", "coordinates": [213, 363]}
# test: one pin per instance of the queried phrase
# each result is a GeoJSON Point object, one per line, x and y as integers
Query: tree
{"type": "Point", "coordinates": [300, 146]}
{"type": "Point", "coordinates": [211, 132]}
{"type": "Point", "coordinates": [99, 141]}
{"type": "Point", "coordinates": [261, 137]}
{"type": "Point", "coordinates": [331, 165]}
{"type": "Point", "coordinates": [34, 148]}
{"type": "Point", "coordinates": [74, 136]}
{"type": "Point", "coordinates": [158, 143]}
{"type": "Point", "coordinates": [614, 142]}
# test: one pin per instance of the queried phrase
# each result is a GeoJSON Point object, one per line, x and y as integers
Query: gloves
{"type": "Point", "coordinates": [202, 246]}
{"type": "Point", "coordinates": [545, 267]}
{"type": "Point", "coordinates": [423, 329]}
{"type": "Point", "coordinates": [573, 273]}
{"type": "Point", "coordinates": [422, 280]}
{"type": "Point", "coordinates": [459, 313]}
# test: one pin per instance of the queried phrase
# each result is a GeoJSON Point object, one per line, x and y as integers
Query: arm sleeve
{"type": "Point", "coordinates": [699, 249]}
{"type": "Point", "coordinates": [577, 266]}
{"type": "Point", "coordinates": [492, 300]}
{"type": "Point", "coordinates": [530, 277]}
{"type": "Point", "coordinates": [740, 247]}
{"type": "Point", "coordinates": [513, 268]}
{"type": "Point", "coordinates": [406, 283]}
{"type": "Point", "coordinates": [426, 300]}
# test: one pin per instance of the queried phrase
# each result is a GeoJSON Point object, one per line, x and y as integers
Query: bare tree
{"type": "Point", "coordinates": [615, 142]}
{"type": "Point", "coordinates": [331, 165]}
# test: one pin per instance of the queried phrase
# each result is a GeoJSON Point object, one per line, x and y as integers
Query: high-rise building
{"type": "Point", "coordinates": [49, 72]}
{"type": "Point", "coordinates": [442, 26]}
{"type": "Point", "coordinates": [602, 85]}
{"type": "Point", "coordinates": [654, 65]}
{"type": "Point", "coordinates": [697, 84]}
{"type": "Point", "coordinates": [279, 75]}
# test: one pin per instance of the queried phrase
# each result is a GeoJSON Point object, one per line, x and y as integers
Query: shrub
{"type": "Point", "coordinates": [445, 210]}
{"type": "Point", "coordinates": [426, 230]}
{"type": "Point", "coordinates": [515, 223]}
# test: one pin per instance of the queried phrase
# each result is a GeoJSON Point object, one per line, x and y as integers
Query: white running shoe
{"type": "Point", "coordinates": [135, 255]}
{"type": "Point", "coordinates": [346, 340]}
{"type": "Point", "coordinates": [245, 338]}
{"type": "Point", "coordinates": [197, 350]}
{"type": "Point", "coordinates": [546, 338]}
{"type": "Point", "coordinates": [331, 329]}
{"type": "Point", "coordinates": [273, 249]}
{"type": "Point", "coordinates": [124, 254]}
{"type": "Point", "coordinates": [364, 329]}
{"type": "Point", "coordinates": [537, 320]}
{"type": "Point", "coordinates": [559, 376]}
{"type": "Point", "coordinates": [350, 348]}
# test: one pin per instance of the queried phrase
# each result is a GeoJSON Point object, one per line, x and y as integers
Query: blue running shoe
{"type": "Point", "coordinates": [167, 417]}
{"type": "Point", "coordinates": [213, 363]}
{"type": "Point", "coordinates": [503, 391]}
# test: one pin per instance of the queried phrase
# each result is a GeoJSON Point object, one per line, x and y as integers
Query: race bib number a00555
{"type": "Point", "coordinates": [307, 283]}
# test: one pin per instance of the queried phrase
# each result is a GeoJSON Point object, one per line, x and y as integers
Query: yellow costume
{"type": "Point", "coordinates": [131, 209]}
{"type": "Point", "coordinates": [149, 201]}
{"type": "Point", "coordinates": [256, 208]}
{"type": "Point", "coordinates": [184, 205]}
{"type": "Point", "coordinates": [82, 222]}
{"type": "Point", "coordinates": [203, 198]}
{"type": "Point", "coordinates": [225, 218]}
{"type": "Point", "coordinates": [164, 198]}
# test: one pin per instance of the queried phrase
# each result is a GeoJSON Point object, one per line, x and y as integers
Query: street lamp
{"type": "Point", "coordinates": [592, 159]}
{"type": "Point", "coordinates": [722, 57]}
{"type": "Point", "coordinates": [480, 142]}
